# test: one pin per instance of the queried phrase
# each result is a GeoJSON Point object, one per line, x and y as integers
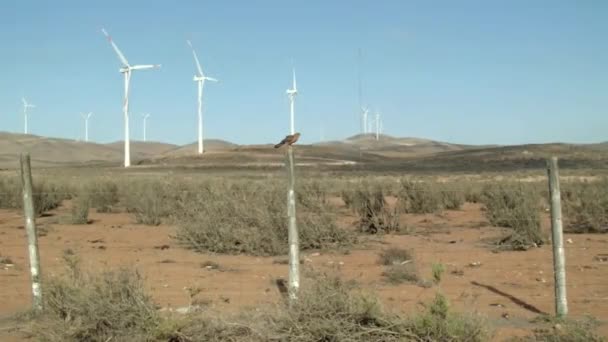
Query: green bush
{"type": "Point", "coordinates": [514, 206]}
{"type": "Point", "coordinates": [585, 207]}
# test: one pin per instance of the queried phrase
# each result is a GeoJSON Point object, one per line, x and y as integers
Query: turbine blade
{"type": "Point", "coordinates": [211, 79]}
{"type": "Point", "coordinates": [24, 101]}
{"type": "Point", "coordinates": [295, 88]}
{"type": "Point", "coordinates": [198, 64]}
{"type": "Point", "coordinates": [145, 66]}
{"type": "Point", "coordinates": [116, 49]}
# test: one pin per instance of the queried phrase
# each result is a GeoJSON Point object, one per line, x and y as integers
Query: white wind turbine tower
{"type": "Point", "coordinates": [200, 78]}
{"type": "Point", "coordinates": [292, 98]}
{"type": "Point", "coordinates": [365, 112]}
{"type": "Point", "coordinates": [377, 126]}
{"type": "Point", "coordinates": [126, 70]}
{"type": "Point", "coordinates": [86, 118]}
{"type": "Point", "coordinates": [145, 116]}
{"type": "Point", "coordinates": [25, 107]}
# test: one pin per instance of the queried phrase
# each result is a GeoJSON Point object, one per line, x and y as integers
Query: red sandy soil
{"type": "Point", "coordinates": [509, 288]}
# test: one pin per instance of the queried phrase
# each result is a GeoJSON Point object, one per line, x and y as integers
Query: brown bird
{"type": "Point", "coordinates": [289, 140]}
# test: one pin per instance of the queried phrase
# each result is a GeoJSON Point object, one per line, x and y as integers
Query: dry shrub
{"type": "Point", "coordinates": [311, 194]}
{"type": "Point", "coordinates": [112, 306]}
{"type": "Point", "coordinates": [586, 207]}
{"type": "Point", "coordinates": [104, 195]}
{"type": "Point", "coordinates": [402, 273]}
{"type": "Point", "coordinates": [101, 307]}
{"type": "Point", "coordinates": [565, 330]}
{"type": "Point", "coordinates": [251, 218]}
{"type": "Point", "coordinates": [420, 197]}
{"type": "Point", "coordinates": [439, 323]}
{"type": "Point", "coordinates": [514, 206]}
{"type": "Point", "coordinates": [80, 208]}
{"type": "Point", "coordinates": [48, 196]}
{"type": "Point", "coordinates": [375, 215]}
{"type": "Point", "coordinates": [10, 193]}
{"type": "Point", "coordinates": [451, 197]}
{"type": "Point", "coordinates": [395, 256]}
{"type": "Point", "coordinates": [150, 200]}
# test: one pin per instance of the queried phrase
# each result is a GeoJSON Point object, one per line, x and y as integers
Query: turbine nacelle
{"type": "Point", "coordinates": [204, 78]}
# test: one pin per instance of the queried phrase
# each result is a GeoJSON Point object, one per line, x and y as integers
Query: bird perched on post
{"type": "Point", "coordinates": [289, 140]}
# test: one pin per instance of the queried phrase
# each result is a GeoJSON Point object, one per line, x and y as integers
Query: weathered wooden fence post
{"type": "Point", "coordinates": [294, 243]}
{"type": "Point", "coordinates": [559, 262]}
{"type": "Point", "coordinates": [30, 227]}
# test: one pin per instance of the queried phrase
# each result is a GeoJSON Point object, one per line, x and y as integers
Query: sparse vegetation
{"type": "Point", "coordinates": [439, 323]}
{"type": "Point", "coordinates": [369, 203]}
{"type": "Point", "coordinates": [104, 195]}
{"type": "Point", "coordinates": [80, 208]}
{"type": "Point", "coordinates": [438, 269]}
{"type": "Point", "coordinates": [113, 306]}
{"type": "Point", "coordinates": [564, 330]}
{"type": "Point", "coordinates": [146, 199]}
{"type": "Point", "coordinates": [420, 197]}
{"type": "Point", "coordinates": [585, 207]}
{"type": "Point", "coordinates": [250, 218]}
{"type": "Point", "coordinates": [10, 193]}
{"type": "Point", "coordinates": [395, 256]}
{"type": "Point", "coordinates": [514, 206]}
{"type": "Point", "coordinates": [397, 274]}
{"type": "Point", "coordinates": [95, 307]}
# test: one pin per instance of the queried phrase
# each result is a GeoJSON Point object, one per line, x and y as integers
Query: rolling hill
{"type": "Point", "coordinates": [388, 153]}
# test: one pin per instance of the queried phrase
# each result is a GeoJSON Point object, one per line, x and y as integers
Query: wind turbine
{"type": "Point", "coordinates": [145, 116]}
{"type": "Point", "coordinates": [377, 126]}
{"type": "Point", "coordinates": [25, 107]}
{"type": "Point", "coordinates": [86, 118]}
{"type": "Point", "coordinates": [365, 112]}
{"type": "Point", "coordinates": [126, 70]}
{"type": "Point", "coordinates": [292, 98]}
{"type": "Point", "coordinates": [200, 78]}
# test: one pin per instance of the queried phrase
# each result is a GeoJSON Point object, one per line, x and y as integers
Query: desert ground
{"type": "Point", "coordinates": [508, 288]}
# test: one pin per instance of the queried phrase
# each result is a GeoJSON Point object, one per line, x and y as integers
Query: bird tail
{"type": "Point", "coordinates": [279, 144]}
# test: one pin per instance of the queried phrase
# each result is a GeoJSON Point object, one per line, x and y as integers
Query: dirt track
{"type": "Point", "coordinates": [509, 288]}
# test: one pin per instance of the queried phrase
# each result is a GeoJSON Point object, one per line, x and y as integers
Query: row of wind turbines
{"type": "Point", "coordinates": [371, 125]}
{"type": "Point", "coordinates": [199, 78]}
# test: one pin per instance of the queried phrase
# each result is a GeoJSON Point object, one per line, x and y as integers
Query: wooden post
{"type": "Point", "coordinates": [30, 227]}
{"type": "Point", "coordinates": [559, 262]}
{"type": "Point", "coordinates": [294, 243]}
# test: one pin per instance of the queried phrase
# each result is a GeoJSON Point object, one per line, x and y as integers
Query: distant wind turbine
{"type": "Point", "coordinates": [200, 78]}
{"type": "Point", "coordinates": [126, 70]}
{"type": "Point", "coordinates": [25, 107]}
{"type": "Point", "coordinates": [364, 117]}
{"type": "Point", "coordinates": [86, 118]}
{"type": "Point", "coordinates": [377, 126]}
{"type": "Point", "coordinates": [292, 98]}
{"type": "Point", "coordinates": [145, 116]}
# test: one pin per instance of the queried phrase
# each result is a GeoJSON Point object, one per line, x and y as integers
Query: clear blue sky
{"type": "Point", "coordinates": [473, 72]}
